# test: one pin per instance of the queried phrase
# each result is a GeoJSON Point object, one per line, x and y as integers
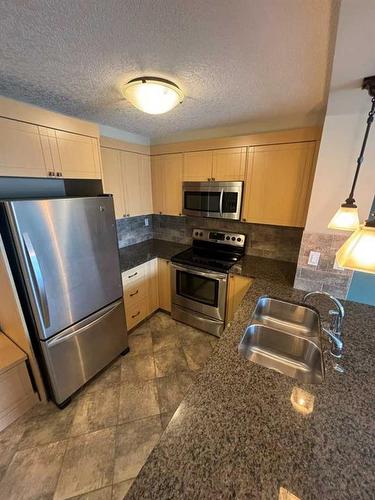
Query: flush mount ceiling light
{"type": "Point", "coordinates": [152, 95]}
{"type": "Point", "coordinates": [346, 218]}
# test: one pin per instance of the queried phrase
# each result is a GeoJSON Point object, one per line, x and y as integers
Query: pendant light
{"type": "Point", "coordinates": [152, 95]}
{"type": "Point", "coordinates": [358, 252]}
{"type": "Point", "coordinates": [346, 218]}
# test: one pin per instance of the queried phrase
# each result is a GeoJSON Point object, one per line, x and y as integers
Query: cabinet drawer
{"type": "Point", "coordinates": [135, 313]}
{"type": "Point", "coordinates": [135, 292]}
{"type": "Point", "coordinates": [132, 275]}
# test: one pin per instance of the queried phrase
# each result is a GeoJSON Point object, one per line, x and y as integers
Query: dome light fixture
{"type": "Point", "coordinates": [152, 95]}
{"type": "Point", "coordinates": [346, 218]}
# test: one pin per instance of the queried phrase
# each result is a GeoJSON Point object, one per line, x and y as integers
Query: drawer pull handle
{"type": "Point", "coordinates": [135, 315]}
{"type": "Point", "coordinates": [132, 275]}
{"type": "Point", "coordinates": [132, 294]}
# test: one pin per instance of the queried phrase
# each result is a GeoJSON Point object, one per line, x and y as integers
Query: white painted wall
{"type": "Point", "coordinates": [345, 120]}
{"type": "Point", "coordinates": [123, 135]}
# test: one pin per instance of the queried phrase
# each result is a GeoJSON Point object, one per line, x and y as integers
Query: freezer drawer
{"type": "Point", "coordinates": [78, 353]}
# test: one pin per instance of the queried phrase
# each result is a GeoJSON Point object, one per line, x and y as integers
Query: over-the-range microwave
{"type": "Point", "coordinates": [218, 199]}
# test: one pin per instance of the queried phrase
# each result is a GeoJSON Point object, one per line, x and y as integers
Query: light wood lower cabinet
{"type": "Point", "coordinates": [164, 272]}
{"type": "Point", "coordinates": [141, 292]}
{"type": "Point", "coordinates": [237, 288]}
{"type": "Point", "coordinates": [278, 184]}
{"type": "Point", "coordinates": [127, 176]}
{"type": "Point", "coordinates": [167, 184]}
{"type": "Point", "coordinates": [29, 150]}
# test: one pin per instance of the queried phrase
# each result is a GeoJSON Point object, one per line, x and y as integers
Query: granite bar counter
{"type": "Point", "coordinates": [240, 434]}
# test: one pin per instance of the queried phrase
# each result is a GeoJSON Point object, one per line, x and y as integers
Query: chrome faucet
{"type": "Point", "coordinates": [336, 319]}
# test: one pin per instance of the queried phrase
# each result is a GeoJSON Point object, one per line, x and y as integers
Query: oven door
{"type": "Point", "coordinates": [221, 200]}
{"type": "Point", "coordinates": [199, 290]}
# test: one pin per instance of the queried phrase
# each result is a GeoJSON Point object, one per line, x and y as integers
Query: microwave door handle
{"type": "Point", "coordinates": [221, 202]}
{"type": "Point", "coordinates": [37, 278]}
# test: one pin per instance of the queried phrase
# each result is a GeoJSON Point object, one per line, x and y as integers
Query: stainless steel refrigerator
{"type": "Point", "coordinates": [65, 260]}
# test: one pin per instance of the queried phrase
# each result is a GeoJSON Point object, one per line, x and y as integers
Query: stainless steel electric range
{"type": "Point", "coordinates": [199, 278]}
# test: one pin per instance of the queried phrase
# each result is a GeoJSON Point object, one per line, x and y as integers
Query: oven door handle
{"type": "Point", "coordinates": [206, 274]}
{"type": "Point", "coordinates": [221, 202]}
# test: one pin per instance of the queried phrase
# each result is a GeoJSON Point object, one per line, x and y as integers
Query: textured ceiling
{"type": "Point", "coordinates": [237, 61]}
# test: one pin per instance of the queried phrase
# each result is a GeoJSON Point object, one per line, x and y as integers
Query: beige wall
{"type": "Point", "coordinates": [345, 121]}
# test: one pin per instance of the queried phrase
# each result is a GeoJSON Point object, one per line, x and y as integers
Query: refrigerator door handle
{"type": "Point", "coordinates": [37, 278]}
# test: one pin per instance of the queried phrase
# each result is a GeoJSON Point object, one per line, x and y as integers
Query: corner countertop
{"type": "Point", "coordinates": [236, 434]}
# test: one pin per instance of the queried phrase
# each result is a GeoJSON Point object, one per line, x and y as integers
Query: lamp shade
{"type": "Point", "coordinates": [358, 252]}
{"type": "Point", "coordinates": [152, 95]}
{"type": "Point", "coordinates": [345, 219]}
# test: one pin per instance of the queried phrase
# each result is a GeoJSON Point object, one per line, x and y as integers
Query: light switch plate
{"type": "Point", "coordinates": [146, 221]}
{"type": "Point", "coordinates": [314, 258]}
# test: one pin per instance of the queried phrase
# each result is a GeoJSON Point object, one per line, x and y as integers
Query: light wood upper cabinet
{"type": "Point", "coordinates": [164, 274]}
{"type": "Point", "coordinates": [167, 183]}
{"type": "Point", "coordinates": [22, 152]}
{"type": "Point", "coordinates": [219, 165]}
{"type": "Point", "coordinates": [136, 176]}
{"type": "Point", "coordinates": [198, 166]}
{"type": "Point", "coordinates": [78, 156]}
{"type": "Point", "coordinates": [229, 164]}
{"type": "Point", "coordinates": [112, 179]}
{"type": "Point", "coordinates": [278, 184]}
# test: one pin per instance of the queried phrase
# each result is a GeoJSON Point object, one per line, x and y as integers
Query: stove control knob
{"type": "Point", "coordinates": [233, 238]}
{"type": "Point", "coordinates": [227, 237]}
{"type": "Point", "coordinates": [238, 239]}
{"type": "Point", "coordinates": [200, 234]}
{"type": "Point", "coordinates": [196, 233]}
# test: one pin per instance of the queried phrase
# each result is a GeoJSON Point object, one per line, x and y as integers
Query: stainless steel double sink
{"type": "Point", "coordinates": [285, 337]}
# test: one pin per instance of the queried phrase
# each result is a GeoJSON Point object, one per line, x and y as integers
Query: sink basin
{"type": "Point", "coordinates": [285, 337]}
{"type": "Point", "coordinates": [287, 317]}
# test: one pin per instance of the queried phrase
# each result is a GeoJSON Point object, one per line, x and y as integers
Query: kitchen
{"type": "Point", "coordinates": [159, 339]}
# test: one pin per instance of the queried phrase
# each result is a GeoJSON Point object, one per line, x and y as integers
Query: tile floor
{"type": "Point", "coordinates": [94, 448]}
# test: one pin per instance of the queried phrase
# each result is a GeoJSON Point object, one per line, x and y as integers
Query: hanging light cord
{"type": "Point", "coordinates": [350, 201]}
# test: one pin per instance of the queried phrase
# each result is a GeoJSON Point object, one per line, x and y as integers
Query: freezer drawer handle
{"type": "Point", "coordinates": [135, 315]}
{"type": "Point", "coordinates": [37, 279]}
{"type": "Point", "coordinates": [132, 275]}
{"type": "Point", "coordinates": [132, 294]}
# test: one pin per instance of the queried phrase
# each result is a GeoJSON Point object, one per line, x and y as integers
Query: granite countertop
{"type": "Point", "coordinates": [137, 254]}
{"type": "Point", "coordinates": [237, 435]}
{"type": "Point", "coordinates": [253, 267]}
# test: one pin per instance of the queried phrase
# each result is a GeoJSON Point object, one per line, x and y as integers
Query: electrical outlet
{"type": "Point", "coordinates": [314, 258]}
{"type": "Point", "coordinates": [146, 221]}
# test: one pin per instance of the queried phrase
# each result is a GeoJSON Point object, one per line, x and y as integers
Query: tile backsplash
{"type": "Point", "coordinates": [275, 242]}
{"type": "Point", "coordinates": [131, 230]}
{"type": "Point", "coordinates": [324, 276]}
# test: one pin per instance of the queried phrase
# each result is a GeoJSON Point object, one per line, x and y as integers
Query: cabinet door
{"type": "Point", "coordinates": [79, 156]}
{"type": "Point", "coordinates": [173, 165]}
{"type": "Point", "coordinates": [229, 164]}
{"type": "Point", "coordinates": [145, 185]}
{"type": "Point", "coordinates": [158, 184]}
{"type": "Point", "coordinates": [136, 175]}
{"type": "Point", "coordinates": [164, 274]}
{"type": "Point", "coordinates": [167, 183]}
{"type": "Point", "coordinates": [198, 166]}
{"type": "Point", "coordinates": [153, 285]}
{"type": "Point", "coordinates": [22, 151]}
{"type": "Point", "coordinates": [112, 179]}
{"type": "Point", "coordinates": [237, 288]}
{"type": "Point", "coordinates": [278, 184]}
